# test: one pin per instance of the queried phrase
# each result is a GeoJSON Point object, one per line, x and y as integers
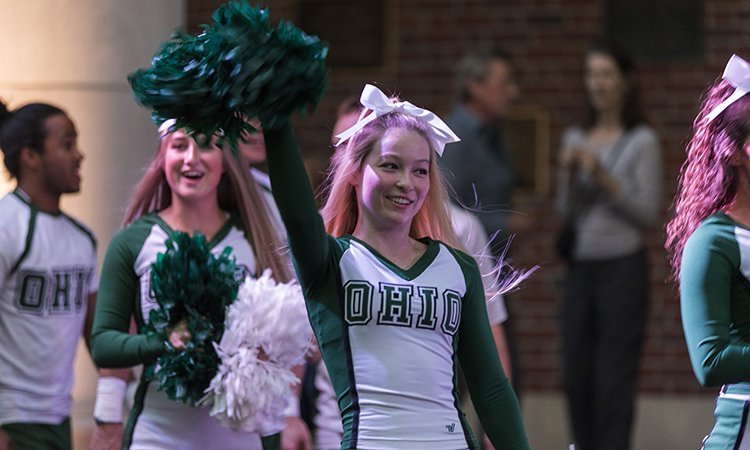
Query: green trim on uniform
{"type": "Point", "coordinates": [39, 436]}
{"type": "Point", "coordinates": [34, 211]}
{"type": "Point", "coordinates": [83, 229]}
{"type": "Point", "coordinates": [21, 195]}
{"type": "Point", "coordinates": [29, 239]}
{"type": "Point", "coordinates": [272, 442]}
{"type": "Point", "coordinates": [264, 187]}
{"type": "Point", "coordinates": [138, 402]}
{"type": "Point", "coordinates": [465, 262]}
{"type": "Point", "coordinates": [218, 237]}
{"type": "Point", "coordinates": [417, 268]}
{"type": "Point", "coordinates": [465, 425]}
{"type": "Point", "coordinates": [224, 231]}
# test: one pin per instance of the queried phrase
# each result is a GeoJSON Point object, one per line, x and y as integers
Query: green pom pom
{"type": "Point", "coordinates": [237, 69]}
{"type": "Point", "coordinates": [189, 282]}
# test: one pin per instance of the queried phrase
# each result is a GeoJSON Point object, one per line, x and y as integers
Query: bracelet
{"type": "Point", "coordinates": [110, 395]}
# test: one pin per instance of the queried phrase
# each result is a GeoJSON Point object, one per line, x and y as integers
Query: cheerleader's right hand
{"type": "Point", "coordinates": [179, 336]}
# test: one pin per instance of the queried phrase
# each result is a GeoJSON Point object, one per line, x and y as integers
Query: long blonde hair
{"type": "Point", "coordinates": [237, 193]}
{"type": "Point", "coordinates": [340, 212]}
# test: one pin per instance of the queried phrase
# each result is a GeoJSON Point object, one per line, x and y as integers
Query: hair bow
{"type": "Point", "coordinates": [737, 73]}
{"type": "Point", "coordinates": [166, 127]}
{"type": "Point", "coordinates": [373, 98]}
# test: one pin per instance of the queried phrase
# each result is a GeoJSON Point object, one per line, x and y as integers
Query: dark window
{"type": "Point", "coordinates": [354, 30]}
{"type": "Point", "coordinates": [657, 29]}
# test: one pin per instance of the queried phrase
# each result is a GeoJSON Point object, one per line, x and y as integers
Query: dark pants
{"type": "Point", "coordinates": [37, 436]}
{"type": "Point", "coordinates": [603, 315]}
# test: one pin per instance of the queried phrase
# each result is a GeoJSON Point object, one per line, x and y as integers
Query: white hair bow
{"type": "Point", "coordinates": [373, 98]}
{"type": "Point", "coordinates": [166, 127]}
{"type": "Point", "coordinates": [737, 73]}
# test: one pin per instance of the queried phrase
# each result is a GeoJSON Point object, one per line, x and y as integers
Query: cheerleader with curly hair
{"type": "Point", "coordinates": [708, 242]}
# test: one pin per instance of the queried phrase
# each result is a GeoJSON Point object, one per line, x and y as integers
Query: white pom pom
{"type": "Point", "coordinates": [266, 333]}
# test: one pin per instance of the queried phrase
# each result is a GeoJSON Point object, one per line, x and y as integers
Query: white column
{"type": "Point", "coordinates": [77, 54]}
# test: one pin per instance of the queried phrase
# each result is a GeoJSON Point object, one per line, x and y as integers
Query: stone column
{"type": "Point", "coordinates": [77, 54]}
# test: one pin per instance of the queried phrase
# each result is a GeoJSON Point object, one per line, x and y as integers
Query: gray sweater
{"type": "Point", "coordinates": [613, 226]}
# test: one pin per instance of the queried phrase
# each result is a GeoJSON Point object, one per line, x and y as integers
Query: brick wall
{"type": "Point", "coordinates": [547, 38]}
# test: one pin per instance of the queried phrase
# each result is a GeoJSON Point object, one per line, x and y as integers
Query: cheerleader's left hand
{"type": "Point", "coordinates": [295, 436]}
{"type": "Point", "coordinates": [107, 436]}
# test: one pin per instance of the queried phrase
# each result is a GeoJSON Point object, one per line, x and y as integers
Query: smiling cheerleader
{"type": "Point", "coordinates": [394, 305]}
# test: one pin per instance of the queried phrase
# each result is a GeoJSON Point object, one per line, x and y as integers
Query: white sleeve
{"type": "Point", "coordinates": [496, 311]}
{"type": "Point", "coordinates": [6, 259]}
{"type": "Point", "coordinates": [471, 233]}
{"type": "Point", "coordinates": [94, 282]}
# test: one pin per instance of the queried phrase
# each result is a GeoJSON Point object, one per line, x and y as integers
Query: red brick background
{"type": "Point", "coordinates": [547, 38]}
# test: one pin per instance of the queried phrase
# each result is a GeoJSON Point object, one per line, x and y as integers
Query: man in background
{"type": "Point", "coordinates": [479, 168]}
{"type": "Point", "coordinates": [48, 288]}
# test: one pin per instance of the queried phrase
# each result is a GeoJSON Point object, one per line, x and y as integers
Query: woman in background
{"type": "Point", "coordinates": [610, 192]}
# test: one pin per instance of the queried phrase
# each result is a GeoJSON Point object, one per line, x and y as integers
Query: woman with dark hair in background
{"type": "Point", "coordinates": [708, 242]}
{"type": "Point", "coordinates": [609, 191]}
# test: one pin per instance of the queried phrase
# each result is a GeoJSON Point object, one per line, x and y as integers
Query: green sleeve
{"type": "Point", "coordinates": [709, 279]}
{"type": "Point", "coordinates": [112, 345]}
{"type": "Point", "coordinates": [292, 191]}
{"type": "Point", "coordinates": [491, 392]}
{"type": "Point", "coordinates": [271, 442]}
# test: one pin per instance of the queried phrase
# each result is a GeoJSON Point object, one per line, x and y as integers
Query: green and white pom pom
{"type": "Point", "coordinates": [239, 68]}
{"type": "Point", "coordinates": [266, 333]}
{"type": "Point", "coordinates": [190, 283]}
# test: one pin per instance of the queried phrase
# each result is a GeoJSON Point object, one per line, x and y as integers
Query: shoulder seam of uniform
{"type": "Point", "coordinates": [29, 238]}
{"type": "Point", "coordinates": [83, 228]}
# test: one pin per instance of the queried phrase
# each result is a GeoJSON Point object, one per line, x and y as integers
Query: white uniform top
{"type": "Point", "coordinates": [156, 421]}
{"type": "Point", "coordinates": [399, 324]}
{"type": "Point", "coordinates": [47, 271]}
{"type": "Point", "coordinates": [471, 233]}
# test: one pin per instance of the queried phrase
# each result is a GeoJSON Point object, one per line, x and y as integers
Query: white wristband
{"type": "Point", "coordinates": [110, 395]}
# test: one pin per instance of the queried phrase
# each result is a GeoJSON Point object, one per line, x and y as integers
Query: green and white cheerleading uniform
{"type": "Point", "coordinates": [156, 421]}
{"type": "Point", "coordinates": [47, 266]}
{"type": "Point", "coordinates": [392, 339]}
{"type": "Point", "coordinates": [715, 304]}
